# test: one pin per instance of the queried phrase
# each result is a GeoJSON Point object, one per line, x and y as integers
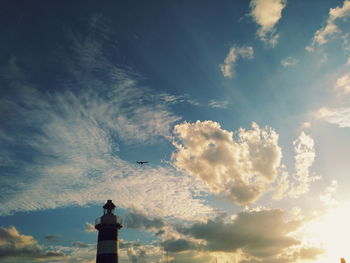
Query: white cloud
{"type": "Point", "coordinates": [70, 140]}
{"type": "Point", "coordinates": [14, 247]}
{"type": "Point", "coordinates": [348, 62]}
{"type": "Point", "coordinates": [245, 168]}
{"type": "Point", "coordinates": [289, 61]}
{"type": "Point", "coordinates": [343, 83]}
{"type": "Point", "coordinates": [324, 34]}
{"type": "Point", "coordinates": [222, 104]}
{"type": "Point", "coordinates": [172, 99]}
{"type": "Point", "coordinates": [267, 13]}
{"type": "Point", "coordinates": [242, 169]}
{"type": "Point", "coordinates": [263, 235]}
{"type": "Point", "coordinates": [142, 253]}
{"type": "Point", "coordinates": [282, 186]}
{"type": "Point", "coordinates": [328, 195]}
{"type": "Point", "coordinates": [90, 228]}
{"type": "Point", "coordinates": [305, 125]}
{"type": "Point", "coordinates": [304, 158]}
{"type": "Point", "coordinates": [338, 116]}
{"type": "Point", "coordinates": [178, 196]}
{"type": "Point", "coordinates": [234, 54]}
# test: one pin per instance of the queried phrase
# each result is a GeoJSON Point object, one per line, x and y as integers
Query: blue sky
{"type": "Point", "coordinates": [241, 109]}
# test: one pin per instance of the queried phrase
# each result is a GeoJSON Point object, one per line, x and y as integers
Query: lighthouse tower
{"type": "Point", "coordinates": [107, 226]}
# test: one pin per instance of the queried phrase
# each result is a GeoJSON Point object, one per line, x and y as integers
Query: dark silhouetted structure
{"type": "Point", "coordinates": [107, 226]}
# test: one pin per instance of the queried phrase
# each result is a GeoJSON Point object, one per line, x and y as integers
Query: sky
{"type": "Point", "coordinates": [240, 107]}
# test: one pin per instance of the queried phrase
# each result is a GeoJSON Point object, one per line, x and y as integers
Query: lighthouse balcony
{"type": "Point", "coordinates": [108, 219]}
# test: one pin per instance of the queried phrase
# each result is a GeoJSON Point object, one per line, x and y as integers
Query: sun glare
{"type": "Point", "coordinates": [332, 232]}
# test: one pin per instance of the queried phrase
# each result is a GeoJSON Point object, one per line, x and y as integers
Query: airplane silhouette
{"type": "Point", "coordinates": [141, 162]}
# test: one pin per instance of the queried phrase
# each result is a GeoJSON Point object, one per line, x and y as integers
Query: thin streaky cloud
{"type": "Point", "coordinates": [75, 145]}
{"type": "Point", "coordinates": [222, 104]}
{"type": "Point", "coordinates": [289, 61]}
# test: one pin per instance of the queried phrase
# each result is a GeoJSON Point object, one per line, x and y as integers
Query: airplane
{"type": "Point", "coordinates": [141, 162]}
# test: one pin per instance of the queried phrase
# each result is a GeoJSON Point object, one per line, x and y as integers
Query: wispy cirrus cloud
{"type": "Point", "coordinates": [267, 13]}
{"type": "Point", "coordinates": [63, 147]}
{"type": "Point", "coordinates": [235, 53]}
{"type": "Point", "coordinates": [221, 104]}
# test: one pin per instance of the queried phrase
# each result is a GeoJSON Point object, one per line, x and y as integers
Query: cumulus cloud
{"type": "Point", "coordinates": [242, 166]}
{"type": "Point", "coordinates": [324, 34]}
{"type": "Point", "coordinates": [289, 61]}
{"type": "Point", "coordinates": [11, 235]}
{"type": "Point", "coordinates": [258, 233]}
{"type": "Point", "coordinates": [343, 83]}
{"type": "Point", "coordinates": [262, 235]}
{"type": "Point", "coordinates": [242, 169]}
{"type": "Point", "coordinates": [178, 245]}
{"type": "Point", "coordinates": [338, 116]}
{"type": "Point", "coordinates": [90, 228]}
{"type": "Point", "coordinates": [193, 257]}
{"type": "Point", "coordinates": [16, 246]}
{"type": "Point", "coordinates": [235, 53]}
{"type": "Point", "coordinates": [267, 13]}
{"type": "Point", "coordinates": [139, 221]}
{"type": "Point", "coordinates": [142, 253]}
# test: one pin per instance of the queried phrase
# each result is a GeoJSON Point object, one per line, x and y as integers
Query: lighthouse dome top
{"type": "Point", "coordinates": [109, 205]}
{"type": "Point", "coordinates": [108, 208]}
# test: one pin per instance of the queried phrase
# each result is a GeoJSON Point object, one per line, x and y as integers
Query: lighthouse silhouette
{"type": "Point", "coordinates": [108, 227]}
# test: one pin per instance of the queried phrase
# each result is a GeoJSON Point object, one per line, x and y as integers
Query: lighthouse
{"type": "Point", "coordinates": [107, 226]}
